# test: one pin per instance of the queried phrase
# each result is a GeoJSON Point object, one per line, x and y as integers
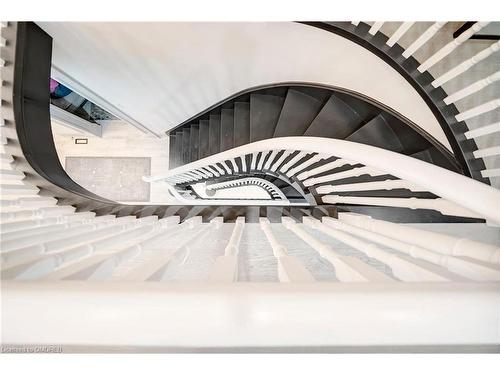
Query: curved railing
{"type": "Point", "coordinates": [293, 155]}
{"type": "Point", "coordinates": [452, 121]}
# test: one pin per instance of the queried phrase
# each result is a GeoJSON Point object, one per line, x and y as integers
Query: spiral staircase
{"type": "Point", "coordinates": [309, 218]}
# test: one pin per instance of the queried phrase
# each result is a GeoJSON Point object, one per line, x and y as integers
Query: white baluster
{"type": "Point", "coordinates": [485, 152]}
{"type": "Point", "coordinates": [323, 168]}
{"type": "Point", "coordinates": [305, 164]}
{"type": "Point", "coordinates": [354, 172]}
{"type": "Point", "coordinates": [467, 64]}
{"type": "Point", "coordinates": [399, 33]}
{"type": "Point", "coordinates": [422, 39]}
{"type": "Point", "coordinates": [485, 130]}
{"type": "Point", "coordinates": [281, 159]}
{"type": "Point", "coordinates": [401, 268]}
{"type": "Point", "coordinates": [440, 243]}
{"type": "Point", "coordinates": [479, 110]}
{"type": "Point", "coordinates": [270, 159]}
{"type": "Point", "coordinates": [471, 89]}
{"type": "Point", "coordinates": [347, 269]}
{"type": "Point", "coordinates": [491, 172]}
{"type": "Point", "coordinates": [367, 186]}
{"type": "Point", "coordinates": [438, 204]}
{"type": "Point", "coordinates": [453, 264]}
{"type": "Point", "coordinates": [226, 266]}
{"type": "Point", "coordinates": [235, 165]}
{"type": "Point", "coordinates": [292, 161]}
{"type": "Point", "coordinates": [450, 47]}
{"type": "Point", "coordinates": [375, 28]}
{"type": "Point", "coordinates": [289, 267]}
{"type": "Point", "coordinates": [260, 164]}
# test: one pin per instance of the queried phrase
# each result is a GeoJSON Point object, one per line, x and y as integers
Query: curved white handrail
{"type": "Point", "coordinates": [466, 192]}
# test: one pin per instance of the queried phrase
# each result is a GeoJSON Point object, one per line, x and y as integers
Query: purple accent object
{"type": "Point", "coordinates": [53, 85]}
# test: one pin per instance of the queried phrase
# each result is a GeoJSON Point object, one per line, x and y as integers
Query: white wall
{"type": "Point", "coordinates": [161, 74]}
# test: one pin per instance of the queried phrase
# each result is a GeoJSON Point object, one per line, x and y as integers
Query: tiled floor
{"type": "Point", "coordinates": [120, 140]}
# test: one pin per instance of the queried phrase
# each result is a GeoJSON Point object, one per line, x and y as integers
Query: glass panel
{"type": "Point", "coordinates": [65, 98]}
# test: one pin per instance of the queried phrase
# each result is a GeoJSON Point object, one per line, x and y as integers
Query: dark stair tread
{"type": "Point", "coordinates": [214, 134]}
{"type": "Point", "coordinates": [241, 123]}
{"type": "Point", "coordinates": [172, 150]}
{"type": "Point", "coordinates": [378, 133]}
{"type": "Point", "coordinates": [264, 113]}
{"type": "Point", "coordinates": [227, 129]}
{"type": "Point", "coordinates": [433, 156]}
{"type": "Point", "coordinates": [335, 120]}
{"type": "Point", "coordinates": [186, 152]}
{"type": "Point", "coordinates": [299, 110]}
{"type": "Point", "coordinates": [194, 143]}
{"type": "Point", "coordinates": [204, 139]}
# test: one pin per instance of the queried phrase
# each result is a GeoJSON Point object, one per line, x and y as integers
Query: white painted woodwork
{"type": "Point", "coordinates": [478, 110]}
{"type": "Point", "coordinates": [289, 267]}
{"type": "Point", "coordinates": [473, 88]}
{"type": "Point", "coordinates": [495, 172]}
{"type": "Point", "coordinates": [375, 28]}
{"type": "Point", "coordinates": [304, 165]}
{"type": "Point", "coordinates": [354, 172]}
{"type": "Point", "coordinates": [401, 268]}
{"type": "Point", "coordinates": [402, 29]}
{"type": "Point", "coordinates": [466, 193]}
{"type": "Point", "coordinates": [456, 265]}
{"type": "Point", "coordinates": [438, 204]}
{"type": "Point", "coordinates": [450, 47]}
{"type": "Point", "coordinates": [482, 131]}
{"type": "Point", "coordinates": [466, 65]}
{"type": "Point", "coordinates": [422, 39]}
{"type": "Point", "coordinates": [323, 168]}
{"type": "Point", "coordinates": [347, 269]}
{"type": "Point", "coordinates": [368, 186]}
{"type": "Point", "coordinates": [271, 314]}
{"type": "Point", "coordinates": [440, 243]}
{"type": "Point", "coordinates": [226, 266]}
{"type": "Point", "coordinates": [486, 152]}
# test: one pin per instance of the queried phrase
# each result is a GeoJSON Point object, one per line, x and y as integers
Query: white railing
{"type": "Point", "coordinates": [453, 73]}
{"type": "Point", "coordinates": [460, 194]}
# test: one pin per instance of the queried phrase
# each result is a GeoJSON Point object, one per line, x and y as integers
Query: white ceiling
{"type": "Point", "coordinates": [161, 74]}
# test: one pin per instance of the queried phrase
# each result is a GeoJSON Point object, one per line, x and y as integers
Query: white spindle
{"type": "Point", "coordinates": [289, 267]}
{"type": "Point", "coordinates": [281, 159]}
{"type": "Point", "coordinates": [453, 264]}
{"type": "Point", "coordinates": [479, 110]}
{"type": "Point", "coordinates": [484, 130]}
{"type": "Point", "coordinates": [355, 23]}
{"type": "Point", "coordinates": [354, 172]}
{"type": "Point", "coordinates": [347, 269]}
{"type": "Point", "coordinates": [450, 47]}
{"type": "Point", "coordinates": [422, 39]}
{"type": "Point", "coordinates": [405, 26]}
{"type": "Point", "coordinates": [495, 172]}
{"type": "Point", "coordinates": [438, 204]}
{"type": "Point", "coordinates": [471, 89]}
{"type": "Point", "coordinates": [403, 269]}
{"type": "Point", "coordinates": [228, 170]}
{"type": "Point", "coordinates": [467, 64]}
{"type": "Point", "coordinates": [367, 186]}
{"type": "Point", "coordinates": [293, 161]}
{"type": "Point", "coordinates": [270, 159]}
{"type": "Point", "coordinates": [260, 164]}
{"type": "Point", "coordinates": [305, 164]}
{"type": "Point", "coordinates": [375, 28]}
{"type": "Point", "coordinates": [235, 165]}
{"type": "Point", "coordinates": [440, 243]}
{"type": "Point", "coordinates": [323, 168]}
{"type": "Point", "coordinates": [485, 152]}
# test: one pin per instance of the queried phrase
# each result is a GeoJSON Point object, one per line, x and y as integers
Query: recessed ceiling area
{"type": "Point", "coordinates": [161, 74]}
